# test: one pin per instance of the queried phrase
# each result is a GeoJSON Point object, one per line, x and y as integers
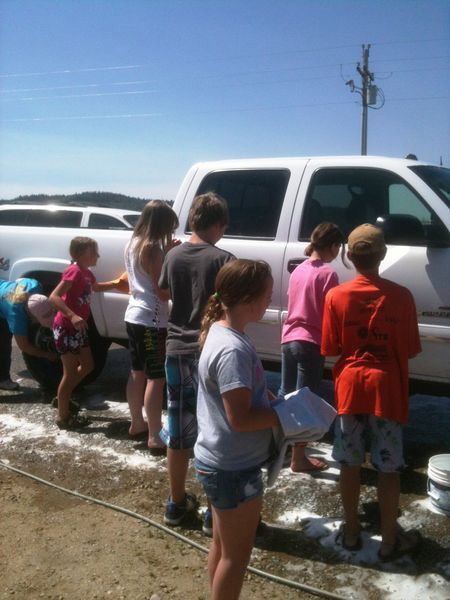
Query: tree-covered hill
{"type": "Point", "coordinates": [106, 199]}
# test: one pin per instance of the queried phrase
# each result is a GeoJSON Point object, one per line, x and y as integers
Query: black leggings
{"type": "Point", "coordinates": [5, 350]}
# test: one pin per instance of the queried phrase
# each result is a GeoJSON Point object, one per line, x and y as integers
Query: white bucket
{"type": "Point", "coordinates": [438, 484]}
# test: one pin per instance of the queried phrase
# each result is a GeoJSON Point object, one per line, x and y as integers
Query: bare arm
{"type": "Point", "coordinates": [152, 264]}
{"type": "Point", "coordinates": [26, 346]}
{"type": "Point", "coordinates": [242, 416]}
{"type": "Point", "coordinates": [105, 286]}
{"type": "Point", "coordinates": [56, 299]}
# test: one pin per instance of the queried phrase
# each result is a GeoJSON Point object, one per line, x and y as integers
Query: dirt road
{"type": "Point", "coordinates": [56, 546]}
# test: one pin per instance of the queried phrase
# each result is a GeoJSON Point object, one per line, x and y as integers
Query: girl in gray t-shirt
{"type": "Point", "coordinates": [234, 418]}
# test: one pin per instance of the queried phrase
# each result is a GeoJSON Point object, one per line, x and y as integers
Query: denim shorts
{"type": "Point", "coordinates": [354, 434]}
{"type": "Point", "coordinates": [228, 489]}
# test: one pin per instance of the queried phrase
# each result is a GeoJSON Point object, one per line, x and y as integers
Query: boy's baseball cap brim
{"type": "Point", "coordinates": [366, 239]}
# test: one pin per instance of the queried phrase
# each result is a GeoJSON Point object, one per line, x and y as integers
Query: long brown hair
{"type": "Point", "coordinates": [324, 236]}
{"type": "Point", "coordinates": [238, 282]}
{"type": "Point", "coordinates": [155, 226]}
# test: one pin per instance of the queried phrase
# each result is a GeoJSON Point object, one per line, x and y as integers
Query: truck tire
{"type": "Point", "coordinates": [47, 373]}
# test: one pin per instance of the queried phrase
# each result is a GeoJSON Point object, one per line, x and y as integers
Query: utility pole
{"type": "Point", "coordinates": [366, 78]}
{"type": "Point", "coordinates": [367, 91]}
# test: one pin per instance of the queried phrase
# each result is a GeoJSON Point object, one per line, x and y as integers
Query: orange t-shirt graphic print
{"type": "Point", "coordinates": [372, 324]}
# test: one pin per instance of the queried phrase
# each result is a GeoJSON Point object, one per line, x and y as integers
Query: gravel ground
{"type": "Point", "coordinates": [54, 545]}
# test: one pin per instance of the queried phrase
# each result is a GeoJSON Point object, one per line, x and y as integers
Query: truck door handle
{"type": "Point", "coordinates": [294, 262]}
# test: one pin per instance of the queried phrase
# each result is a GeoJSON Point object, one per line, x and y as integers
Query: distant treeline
{"type": "Point", "coordinates": [105, 199]}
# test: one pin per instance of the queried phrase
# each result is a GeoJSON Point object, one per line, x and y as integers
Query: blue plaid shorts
{"type": "Point", "coordinates": [182, 385]}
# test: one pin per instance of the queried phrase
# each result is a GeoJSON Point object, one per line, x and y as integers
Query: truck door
{"type": "Point", "coordinates": [418, 245]}
{"type": "Point", "coordinates": [260, 204]}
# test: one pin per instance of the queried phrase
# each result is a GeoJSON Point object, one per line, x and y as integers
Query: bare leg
{"type": "Point", "coordinates": [233, 538]}
{"type": "Point", "coordinates": [300, 462]}
{"type": "Point", "coordinates": [349, 483]}
{"type": "Point", "coordinates": [153, 400]}
{"type": "Point", "coordinates": [135, 397]}
{"type": "Point", "coordinates": [177, 466]}
{"type": "Point", "coordinates": [75, 369]}
{"type": "Point", "coordinates": [388, 499]}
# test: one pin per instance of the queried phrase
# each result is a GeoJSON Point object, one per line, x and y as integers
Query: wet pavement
{"type": "Point", "coordinates": [302, 511]}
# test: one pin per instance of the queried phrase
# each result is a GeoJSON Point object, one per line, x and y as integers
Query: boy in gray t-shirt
{"type": "Point", "coordinates": [188, 274]}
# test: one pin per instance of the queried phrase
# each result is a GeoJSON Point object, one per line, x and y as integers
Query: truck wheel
{"type": "Point", "coordinates": [47, 373]}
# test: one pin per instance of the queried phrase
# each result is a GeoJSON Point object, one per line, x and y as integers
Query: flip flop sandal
{"type": "Point", "coordinates": [340, 538]}
{"type": "Point", "coordinates": [407, 542]}
{"type": "Point", "coordinates": [321, 465]}
{"type": "Point", "coordinates": [74, 422]}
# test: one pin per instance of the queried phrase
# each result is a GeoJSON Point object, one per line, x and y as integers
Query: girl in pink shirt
{"type": "Point", "coordinates": [301, 361]}
{"type": "Point", "coordinates": [72, 298]}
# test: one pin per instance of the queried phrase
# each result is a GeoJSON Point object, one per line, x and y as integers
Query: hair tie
{"type": "Point", "coordinates": [216, 295]}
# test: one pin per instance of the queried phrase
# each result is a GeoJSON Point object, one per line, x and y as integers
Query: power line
{"type": "Point", "coordinates": [70, 71]}
{"type": "Point", "coordinates": [65, 96]}
{"type": "Point", "coordinates": [141, 92]}
{"type": "Point", "coordinates": [221, 76]}
{"type": "Point", "coordinates": [410, 42]}
{"type": "Point", "coordinates": [215, 111]}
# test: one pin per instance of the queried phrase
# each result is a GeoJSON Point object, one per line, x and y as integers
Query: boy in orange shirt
{"type": "Point", "coordinates": [371, 323]}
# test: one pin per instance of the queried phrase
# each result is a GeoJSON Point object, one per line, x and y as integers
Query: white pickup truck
{"type": "Point", "coordinates": [274, 205]}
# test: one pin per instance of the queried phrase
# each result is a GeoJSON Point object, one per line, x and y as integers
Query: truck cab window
{"type": "Point", "coordinates": [254, 198]}
{"type": "Point", "coordinates": [99, 221]}
{"type": "Point", "coordinates": [13, 217]}
{"type": "Point", "coordinates": [351, 196]}
{"type": "Point", "coordinates": [57, 218]}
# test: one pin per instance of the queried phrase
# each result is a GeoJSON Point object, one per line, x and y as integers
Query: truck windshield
{"type": "Point", "coordinates": [438, 178]}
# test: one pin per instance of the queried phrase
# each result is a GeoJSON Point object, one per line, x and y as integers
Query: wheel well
{"type": "Point", "coordinates": [48, 279]}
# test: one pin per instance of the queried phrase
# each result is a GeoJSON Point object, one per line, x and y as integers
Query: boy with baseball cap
{"type": "Point", "coordinates": [371, 323]}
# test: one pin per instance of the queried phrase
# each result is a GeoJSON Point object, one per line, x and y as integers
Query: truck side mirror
{"type": "Point", "coordinates": [401, 229]}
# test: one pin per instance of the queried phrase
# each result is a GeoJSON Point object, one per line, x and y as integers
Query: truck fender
{"type": "Point", "coordinates": [46, 266]}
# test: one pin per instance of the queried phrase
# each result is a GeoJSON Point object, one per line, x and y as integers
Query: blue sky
{"type": "Point", "coordinates": [124, 95]}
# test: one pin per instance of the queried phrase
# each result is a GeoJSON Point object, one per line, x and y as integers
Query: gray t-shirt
{"type": "Point", "coordinates": [189, 273]}
{"type": "Point", "coordinates": [229, 361]}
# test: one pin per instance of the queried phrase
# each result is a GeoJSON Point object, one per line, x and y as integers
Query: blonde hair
{"type": "Point", "coordinates": [154, 227]}
{"type": "Point", "coordinates": [79, 244]}
{"type": "Point", "coordinates": [238, 282]}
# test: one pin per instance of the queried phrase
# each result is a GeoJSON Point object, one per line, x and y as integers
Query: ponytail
{"type": "Point", "coordinates": [324, 236]}
{"type": "Point", "coordinates": [213, 312]}
{"type": "Point", "coordinates": [239, 281]}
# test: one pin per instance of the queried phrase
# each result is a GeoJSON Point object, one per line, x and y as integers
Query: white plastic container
{"type": "Point", "coordinates": [438, 484]}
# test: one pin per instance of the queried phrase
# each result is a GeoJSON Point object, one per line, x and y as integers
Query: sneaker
{"type": "Point", "coordinates": [176, 513]}
{"type": "Point", "coordinates": [207, 526]}
{"type": "Point", "coordinates": [9, 385]}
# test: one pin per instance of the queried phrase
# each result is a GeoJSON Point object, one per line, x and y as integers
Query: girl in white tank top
{"type": "Point", "coordinates": [146, 318]}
